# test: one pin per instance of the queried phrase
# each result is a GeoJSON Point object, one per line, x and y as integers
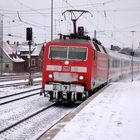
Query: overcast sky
{"type": "Point", "coordinates": [114, 20]}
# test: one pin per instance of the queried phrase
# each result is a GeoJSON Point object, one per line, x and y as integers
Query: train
{"type": "Point", "coordinates": [75, 65]}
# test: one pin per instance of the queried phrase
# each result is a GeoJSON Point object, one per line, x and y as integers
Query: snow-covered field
{"type": "Point", "coordinates": [112, 115]}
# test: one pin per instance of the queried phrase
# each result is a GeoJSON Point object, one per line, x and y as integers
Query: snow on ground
{"type": "Point", "coordinates": [19, 81]}
{"type": "Point", "coordinates": [16, 89]}
{"type": "Point", "coordinates": [112, 115]}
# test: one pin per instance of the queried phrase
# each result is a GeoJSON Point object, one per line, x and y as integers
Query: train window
{"type": "Point", "coordinates": [115, 63]}
{"type": "Point", "coordinates": [77, 53]}
{"type": "Point", "coordinates": [126, 63]}
{"type": "Point", "coordinates": [58, 52]}
{"type": "Point", "coordinates": [62, 52]}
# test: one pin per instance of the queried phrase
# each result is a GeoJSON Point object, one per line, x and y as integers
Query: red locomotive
{"type": "Point", "coordinates": [75, 65]}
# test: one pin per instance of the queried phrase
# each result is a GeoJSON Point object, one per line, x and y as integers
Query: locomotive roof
{"type": "Point", "coordinates": [73, 40]}
{"type": "Point", "coordinates": [95, 45]}
{"type": "Point", "coordinates": [120, 55]}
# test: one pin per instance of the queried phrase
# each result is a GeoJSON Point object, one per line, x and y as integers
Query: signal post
{"type": "Point", "coordinates": [29, 39]}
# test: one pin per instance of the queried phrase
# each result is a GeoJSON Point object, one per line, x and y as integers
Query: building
{"type": "Point", "coordinates": [36, 56]}
{"type": "Point", "coordinates": [15, 57]}
{"type": "Point", "coordinates": [10, 61]}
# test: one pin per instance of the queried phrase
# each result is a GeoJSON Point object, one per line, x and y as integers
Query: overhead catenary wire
{"type": "Point", "coordinates": [94, 24]}
{"type": "Point", "coordinates": [29, 11]}
{"type": "Point", "coordinates": [27, 23]}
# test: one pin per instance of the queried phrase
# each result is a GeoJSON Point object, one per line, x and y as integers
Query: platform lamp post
{"type": "Point", "coordinates": [132, 54]}
{"type": "Point", "coordinates": [29, 39]}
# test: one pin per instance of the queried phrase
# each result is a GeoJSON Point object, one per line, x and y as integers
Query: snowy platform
{"type": "Point", "coordinates": [112, 115]}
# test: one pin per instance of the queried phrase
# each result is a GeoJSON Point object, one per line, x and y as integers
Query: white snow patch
{"type": "Point", "coordinates": [112, 115]}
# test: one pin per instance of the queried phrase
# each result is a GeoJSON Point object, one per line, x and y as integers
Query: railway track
{"type": "Point", "coordinates": [34, 125]}
{"type": "Point", "coordinates": [18, 83]}
{"type": "Point", "coordinates": [17, 80]}
{"type": "Point", "coordinates": [18, 96]}
{"type": "Point", "coordinates": [26, 118]}
{"type": "Point", "coordinates": [5, 78]}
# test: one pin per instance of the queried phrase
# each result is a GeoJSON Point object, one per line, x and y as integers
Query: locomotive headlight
{"type": "Point", "coordinates": [81, 77]}
{"type": "Point", "coordinates": [66, 62]}
{"type": "Point", "coordinates": [50, 76]}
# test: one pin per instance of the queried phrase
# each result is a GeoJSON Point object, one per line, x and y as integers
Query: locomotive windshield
{"type": "Point", "coordinates": [79, 53]}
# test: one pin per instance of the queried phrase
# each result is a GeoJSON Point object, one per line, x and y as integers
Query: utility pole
{"type": "Point", "coordinates": [132, 54]}
{"type": "Point", "coordinates": [1, 43]}
{"type": "Point", "coordinates": [139, 46]}
{"type": "Point", "coordinates": [95, 34]}
{"type": "Point", "coordinates": [51, 20]}
{"type": "Point", "coordinates": [30, 75]}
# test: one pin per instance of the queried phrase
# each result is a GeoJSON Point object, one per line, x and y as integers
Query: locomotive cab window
{"type": "Point", "coordinates": [77, 53]}
{"type": "Point", "coordinates": [58, 52]}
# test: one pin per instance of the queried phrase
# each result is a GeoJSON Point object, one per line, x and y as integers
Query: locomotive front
{"type": "Point", "coordinates": [66, 74]}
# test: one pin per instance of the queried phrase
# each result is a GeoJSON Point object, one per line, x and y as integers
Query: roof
{"type": "Point", "coordinates": [25, 48]}
{"type": "Point", "coordinates": [17, 59]}
{"type": "Point", "coordinates": [9, 51]}
{"type": "Point", "coordinates": [118, 55]}
{"type": "Point", "coordinates": [72, 40]}
{"type": "Point", "coordinates": [35, 49]}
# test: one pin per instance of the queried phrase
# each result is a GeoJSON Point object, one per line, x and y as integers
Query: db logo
{"type": "Point", "coordinates": [66, 68]}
